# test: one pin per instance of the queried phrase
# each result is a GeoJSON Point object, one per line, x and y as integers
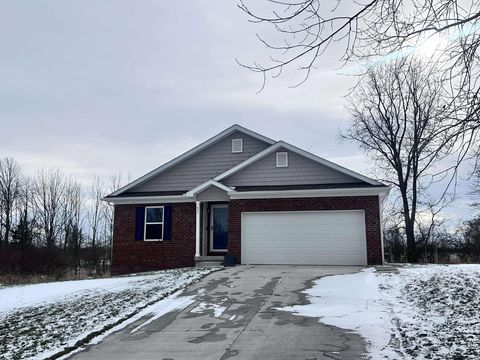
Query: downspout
{"type": "Point", "coordinates": [381, 199]}
{"type": "Point", "coordinates": [111, 240]}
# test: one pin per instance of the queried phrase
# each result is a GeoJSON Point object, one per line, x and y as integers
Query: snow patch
{"type": "Point", "coordinates": [351, 302]}
{"type": "Point", "coordinates": [163, 307]}
{"type": "Point", "coordinates": [18, 297]}
{"type": "Point", "coordinates": [203, 307]}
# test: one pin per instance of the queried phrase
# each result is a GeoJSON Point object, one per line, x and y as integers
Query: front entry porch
{"type": "Point", "coordinates": [211, 237]}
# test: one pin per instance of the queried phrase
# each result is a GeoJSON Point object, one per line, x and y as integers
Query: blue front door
{"type": "Point", "coordinates": [219, 228]}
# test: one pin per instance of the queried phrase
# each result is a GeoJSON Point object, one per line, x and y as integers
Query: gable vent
{"type": "Point", "coordinates": [237, 145]}
{"type": "Point", "coordinates": [282, 159]}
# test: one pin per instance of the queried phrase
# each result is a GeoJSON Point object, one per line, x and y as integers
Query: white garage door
{"type": "Point", "coordinates": [304, 237]}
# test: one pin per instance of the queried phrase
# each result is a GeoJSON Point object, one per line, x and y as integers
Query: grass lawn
{"type": "Point", "coordinates": [41, 320]}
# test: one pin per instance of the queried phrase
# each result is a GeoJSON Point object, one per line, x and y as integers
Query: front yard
{"type": "Point", "coordinates": [421, 312]}
{"type": "Point", "coordinates": [38, 321]}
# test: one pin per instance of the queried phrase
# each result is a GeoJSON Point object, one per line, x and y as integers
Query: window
{"type": "Point", "coordinates": [282, 159]}
{"type": "Point", "coordinates": [153, 223]}
{"type": "Point", "coordinates": [237, 145]}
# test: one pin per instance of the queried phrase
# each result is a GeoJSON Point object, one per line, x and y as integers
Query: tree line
{"type": "Point", "coordinates": [52, 224]}
{"type": "Point", "coordinates": [435, 244]}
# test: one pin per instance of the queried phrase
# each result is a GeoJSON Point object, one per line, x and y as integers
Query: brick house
{"type": "Point", "coordinates": [258, 200]}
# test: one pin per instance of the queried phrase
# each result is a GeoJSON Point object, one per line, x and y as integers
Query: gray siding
{"type": "Point", "coordinates": [203, 166]}
{"type": "Point", "coordinates": [213, 193]}
{"type": "Point", "coordinates": [300, 171]}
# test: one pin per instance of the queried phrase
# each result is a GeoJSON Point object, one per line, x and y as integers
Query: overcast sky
{"type": "Point", "coordinates": [99, 87]}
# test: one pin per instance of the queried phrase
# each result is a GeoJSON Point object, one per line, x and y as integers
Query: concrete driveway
{"type": "Point", "coordinates": [235, 316]}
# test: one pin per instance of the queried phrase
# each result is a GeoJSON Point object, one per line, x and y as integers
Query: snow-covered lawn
{"type": "Point", "coordinates": [38, 321]}
{"type": "Point", "coordinates": [423, 312]}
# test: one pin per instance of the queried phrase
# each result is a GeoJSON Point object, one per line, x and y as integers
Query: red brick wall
{"type": "Point", "coordinates": [367, 203]}
{"type": "Point", "coordinates": [135, 256]}
{"type": "Point", "coordinates": [129, 255]}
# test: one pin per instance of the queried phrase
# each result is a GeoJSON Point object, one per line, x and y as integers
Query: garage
{"type": "Point", "coordinates": [304, 238]}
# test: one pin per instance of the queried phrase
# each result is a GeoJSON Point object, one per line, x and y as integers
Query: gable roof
{"type": "Point", "coordinates": [190, 153]}
{"type": "Point", "coordinates": [206, 185]}
{"type": "Point", "coordinates": [282, 144]}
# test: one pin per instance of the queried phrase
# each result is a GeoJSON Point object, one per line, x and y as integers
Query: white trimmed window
{"type": "Point", "coordinates": [237, 145]}
{"type": "Point", "coordinates": [282, 159]}
{"type": "Point", "coordinates": [153, 223]}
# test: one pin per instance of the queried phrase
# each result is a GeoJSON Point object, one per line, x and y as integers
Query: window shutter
{"type": "Point", "coordinates": [167, 222]}
{"type": "Point", "coordinates": [139, 223]}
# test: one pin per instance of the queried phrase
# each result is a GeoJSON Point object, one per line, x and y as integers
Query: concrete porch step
{"type": "Point", "coordinates": [207, 261]}
{"type": "Point", "coordinates": [386, 269]}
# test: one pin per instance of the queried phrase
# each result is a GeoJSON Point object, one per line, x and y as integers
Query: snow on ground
{"type": "Point", "coordinates": [353, 302]}
{"type": "Point", "coordinates": [438, 311]}
{"type": "Point", "coordinates": [37, 321]}
{"type": "Point", "coordinates": [423, 312]}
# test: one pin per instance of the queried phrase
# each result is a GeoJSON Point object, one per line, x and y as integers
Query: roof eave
{"type": "Point", "coordinates": [147, 199]}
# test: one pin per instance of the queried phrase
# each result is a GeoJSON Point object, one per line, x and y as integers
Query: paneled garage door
{"type": "Point", "coordinates": [304, 238]}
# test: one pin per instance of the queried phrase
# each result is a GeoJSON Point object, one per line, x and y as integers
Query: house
{"type": "Point", "coordinates": [258, 200]}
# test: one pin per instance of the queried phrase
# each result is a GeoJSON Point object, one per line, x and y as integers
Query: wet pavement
{"type": "Point", "coordinates": [235, 316]}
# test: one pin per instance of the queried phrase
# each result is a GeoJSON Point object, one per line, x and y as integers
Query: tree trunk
{"type": "Point", "coordinates": [411, 245]}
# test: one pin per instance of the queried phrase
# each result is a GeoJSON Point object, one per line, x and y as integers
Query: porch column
{"type": "Point", "coordinates": [197, 229]}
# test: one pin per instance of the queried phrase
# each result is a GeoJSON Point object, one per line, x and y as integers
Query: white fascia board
{"type": "Point", "coordinates": [148, 199]}
{"type": "Point", "coordinates": [308, 193]}
{"type": "Point", "coordinates": [282, 144]}
{"type": "Point", "coordinates": [192, 152]}
{"type": "Point", "coordinates": [206, 185]}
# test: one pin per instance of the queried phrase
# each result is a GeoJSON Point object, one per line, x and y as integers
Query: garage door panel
{"type": "Point", "coordinates": [313, 238]}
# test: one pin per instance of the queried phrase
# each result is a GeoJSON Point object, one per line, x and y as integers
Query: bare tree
{"type": "Point", "coordinates": [115, 182]}
{"type": "Point", "coordinates": [73, 227]}
{"type": "Point", "coordinates": [10, 180]}
{"type": "Point", "coordinates": [365, 29]}
{"type": "Point", "coordinates": [49, 189]}
{"type": "Point", "coordinates": [401, 119]}
{"type": "Point", "coordinates": [476, 186]}
{"type": "Point", "coordinates": [95, 217]}
{"type": "Point", "coordinates": [54, 224]}
{"type": "Point", "coordinates": [26, 221]}
{"type": "Point", "coordinates": [71, 210]}
{"type": "Point", "coordinates": [427, 232]}
{"type": "Point", "coordinates": [471, 236]}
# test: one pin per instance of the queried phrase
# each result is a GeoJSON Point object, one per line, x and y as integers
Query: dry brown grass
{"type": "Point", "coordinates": [17, 279]}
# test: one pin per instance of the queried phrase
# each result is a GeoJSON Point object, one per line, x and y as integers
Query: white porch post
{"type": "Point", "coordinates": [197, 229]}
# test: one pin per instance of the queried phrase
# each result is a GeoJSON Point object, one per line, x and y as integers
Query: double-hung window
{"type": "Point", "coordinates": [153, 223]}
